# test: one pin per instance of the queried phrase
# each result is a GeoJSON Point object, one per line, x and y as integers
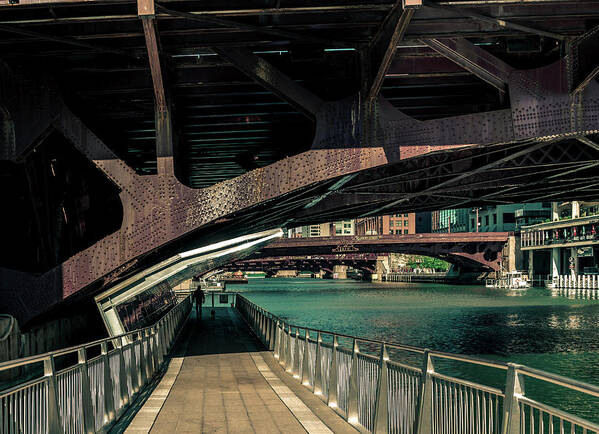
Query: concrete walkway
{"type": "Point", "coordinates": [224, 381]}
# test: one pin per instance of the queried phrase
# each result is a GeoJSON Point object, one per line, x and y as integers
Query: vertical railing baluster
{"type": "Point", "coordinates": [273, 334]}
{"type": "Point", "coordinates": [134, 369]}
{"type": "Point", "coordinates": [352, 396]}
{"type": "Point", "coordinates": [142, 361]}
{"type": "Point", "coordinates": [423, 422]}
{"type": "Point", "coordinates": [305, 376]}
{"type": "Point", "coordinates": [86, 397]}
{"type": "Point", "coordinates": [108, 396]}
{"type": "Point", "coordinates": [54, 420]}
{"type": "Point", "coordinates": [514, 387]}
{"type": "Point", "coordinates": [317, 389]}
{"type": "Point", "coordinates": [332, 401]}
{"type": "Point", "coordinates": [122, 373]}
{"type": "Point", "coordinates": [381, 403]}
{"type": "Point", "coordinates": [296, 356]}
{"type": "Point", "coordinates": [154, 348]}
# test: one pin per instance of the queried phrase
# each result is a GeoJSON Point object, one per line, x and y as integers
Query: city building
{"type": "Point", "coordinates": [423, 222]}
{"type": "Point", "coordinates": [393, 224]}
{"type": "Point", "coordinates": [343, 227]}
{"type": "Point", "coordinates": [507, 218]}
{"type": "Point", "coordinates": [567, 246]}
{"type": "Point", "coordinates": [450, 220]}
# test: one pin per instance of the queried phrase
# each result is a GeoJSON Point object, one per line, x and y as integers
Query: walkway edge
{"type": "Point", "coordinates": [303, 414]}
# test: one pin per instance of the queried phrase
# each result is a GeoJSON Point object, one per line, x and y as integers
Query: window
{"type": "Point", "coordinates": [398, 231]}
{"type": "Point", "coordinates": [494, 219]}
{"type": "Point", "coordinates": [405, 231]}
{"type": "Point", "coordinates": [486, 220]}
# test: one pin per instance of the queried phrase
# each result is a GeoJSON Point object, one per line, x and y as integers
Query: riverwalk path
{"type": "Point", "coordinates": [221, 379]}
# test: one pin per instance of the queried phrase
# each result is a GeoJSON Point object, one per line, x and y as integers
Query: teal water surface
{"type": "Point", "coordinates": [534, 327]}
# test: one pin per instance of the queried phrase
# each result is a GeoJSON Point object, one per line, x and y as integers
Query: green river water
{"type": "Point", "coordinates": [549, 331]}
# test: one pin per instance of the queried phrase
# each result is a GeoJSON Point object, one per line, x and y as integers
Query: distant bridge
{"type": "Point", "coordinates": [315, 263]}
{"type": "Point", "coordinates": [466, 251]}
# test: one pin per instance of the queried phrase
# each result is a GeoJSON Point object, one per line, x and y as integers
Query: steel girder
{"type": "Point", "coordinates": [481, 248]}
{"type": "Point", "coordinates": [349, 139]}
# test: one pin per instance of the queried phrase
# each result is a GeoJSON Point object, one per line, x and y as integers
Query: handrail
{"type": "Point", "coordinates": [423, 399]}
{"type": "Point", "coordinates": [37, 358]}
{"type": "Point", "coordinates": [91, 394]}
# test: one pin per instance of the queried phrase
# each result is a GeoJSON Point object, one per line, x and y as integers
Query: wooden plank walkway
{"type": "Point", "coordinates": [224, 381]}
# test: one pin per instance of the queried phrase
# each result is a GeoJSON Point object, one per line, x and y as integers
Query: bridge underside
{"type": "Point", "coordinates": [132, 132]}
{"type": "Point", "coordinates": [472, 251]}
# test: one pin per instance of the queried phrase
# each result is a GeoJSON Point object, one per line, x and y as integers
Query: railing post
{"type": "Point", "coordinates": [283, 347]}
{"type": "Point", "coordinates": [514, 387]}
{"type": "Point", "coordinates": [134, 369]}
{"type": "Point", "coordinates": [296, 357]}
{"type": "Point", "coordinates": [122, 373]}
{"type": "Point", "coordinates": [424, 409]}
{"type": "Point", "coordinates": [148, 355]}
{"type": "Point", "coordinates": [306, 361]}
{"type": "Point", "coordinates": [277, 342]}
{"type": "Point", "coordinates": [273, 335]}
{"type": "Point", "coordinates": [54, 420]}
{"type": "Point", "coordinates": [86, 396]}
{"type": "Point", "coordinates": [142, 362]}
{"type": "Point", "coordinates": [154, 340]}
{"type": "Point", "coordinates": [317, 389]}
{"type": "Point", "coordinates": [332, 401]}
{"type": "Point", "coordinates": [288, 360]}
{"type": "Point", "coordinates": [352, 397]}
{"type": "Point", "coordinates": [381, 403]}
{"type": "Point", "coordinates": [108, 396]}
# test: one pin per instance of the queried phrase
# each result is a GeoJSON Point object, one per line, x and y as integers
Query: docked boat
{"type": "Point", "coordinates": [513, 280]}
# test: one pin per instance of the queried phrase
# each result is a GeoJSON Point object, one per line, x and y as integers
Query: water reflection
{"type": "Point", "coordinates": [583, 294]}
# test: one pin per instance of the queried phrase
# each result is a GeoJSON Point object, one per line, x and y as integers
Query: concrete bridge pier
{"type": "Point", "coordinates": [340, 272]}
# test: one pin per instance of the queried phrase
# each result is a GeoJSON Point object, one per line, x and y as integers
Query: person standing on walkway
{"type": "Point", "coordinates": [200, 297]}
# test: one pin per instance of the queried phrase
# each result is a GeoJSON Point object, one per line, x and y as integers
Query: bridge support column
{"type": "Point", "coordinates": [531, 267]}
{"type": "Point", "coordinates": [555, 262]}
{"type": "Point", "coordinates": [340, 272]}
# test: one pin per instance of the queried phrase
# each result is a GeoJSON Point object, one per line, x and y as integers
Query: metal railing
{"type": "Point", "coordinates": [380, 395]}
{"type": "Point", "coordinates": [574, 281]}
{"type": "Point", "coordinates": [89, 394]}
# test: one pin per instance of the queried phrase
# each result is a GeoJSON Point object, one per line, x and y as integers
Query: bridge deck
{"type": "Point", "coordinates": [229, 383]}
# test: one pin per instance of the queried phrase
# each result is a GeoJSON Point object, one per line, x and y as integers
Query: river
{"type": "Point", "coordinates": [535, 327]}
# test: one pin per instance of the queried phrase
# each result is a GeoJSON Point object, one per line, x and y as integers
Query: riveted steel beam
{"type": "Point", "coordinates": [273, 79]}
{"type": "Point", "coordinates": [473, 59]}
{"type": "Point", "coordinates": [381, 50]}
{"type": "Point", "coordinates": [65, 40]}
{"type": "Point", "coordinates": [208, 19]}
{"type": "Point", "coordinates": [495, 21]}
{"type": "Point", "coordinates": [162, 110]}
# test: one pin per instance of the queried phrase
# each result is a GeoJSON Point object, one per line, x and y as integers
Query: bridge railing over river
{"type": "Point", "coordinates": [98, 382]}
{"type": "Point", "coordinates": [382, 394]}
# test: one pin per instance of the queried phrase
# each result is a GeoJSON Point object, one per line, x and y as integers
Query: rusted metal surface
{"type": "Point", "coordinates": [375, 142]}
{"type": "Point", "coordinates": [466, 250]}
{"type": "Point", "coordinates": [368, 240]}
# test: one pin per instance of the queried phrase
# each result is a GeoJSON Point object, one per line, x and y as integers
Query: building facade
{"type": "Point", "coordinates": [569, 244]}
{"type": "Point", "coordinates": [450, 220]}
{"type": "Point", "coordinates": [393, 224]}
{"type": "Point", "coordinates": [423, 222]}
{"type": "Point", "coordinates": [507, 218]}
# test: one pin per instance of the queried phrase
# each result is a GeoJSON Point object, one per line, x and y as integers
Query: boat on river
{"type": "Point", "coordinates": [513, 280]}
